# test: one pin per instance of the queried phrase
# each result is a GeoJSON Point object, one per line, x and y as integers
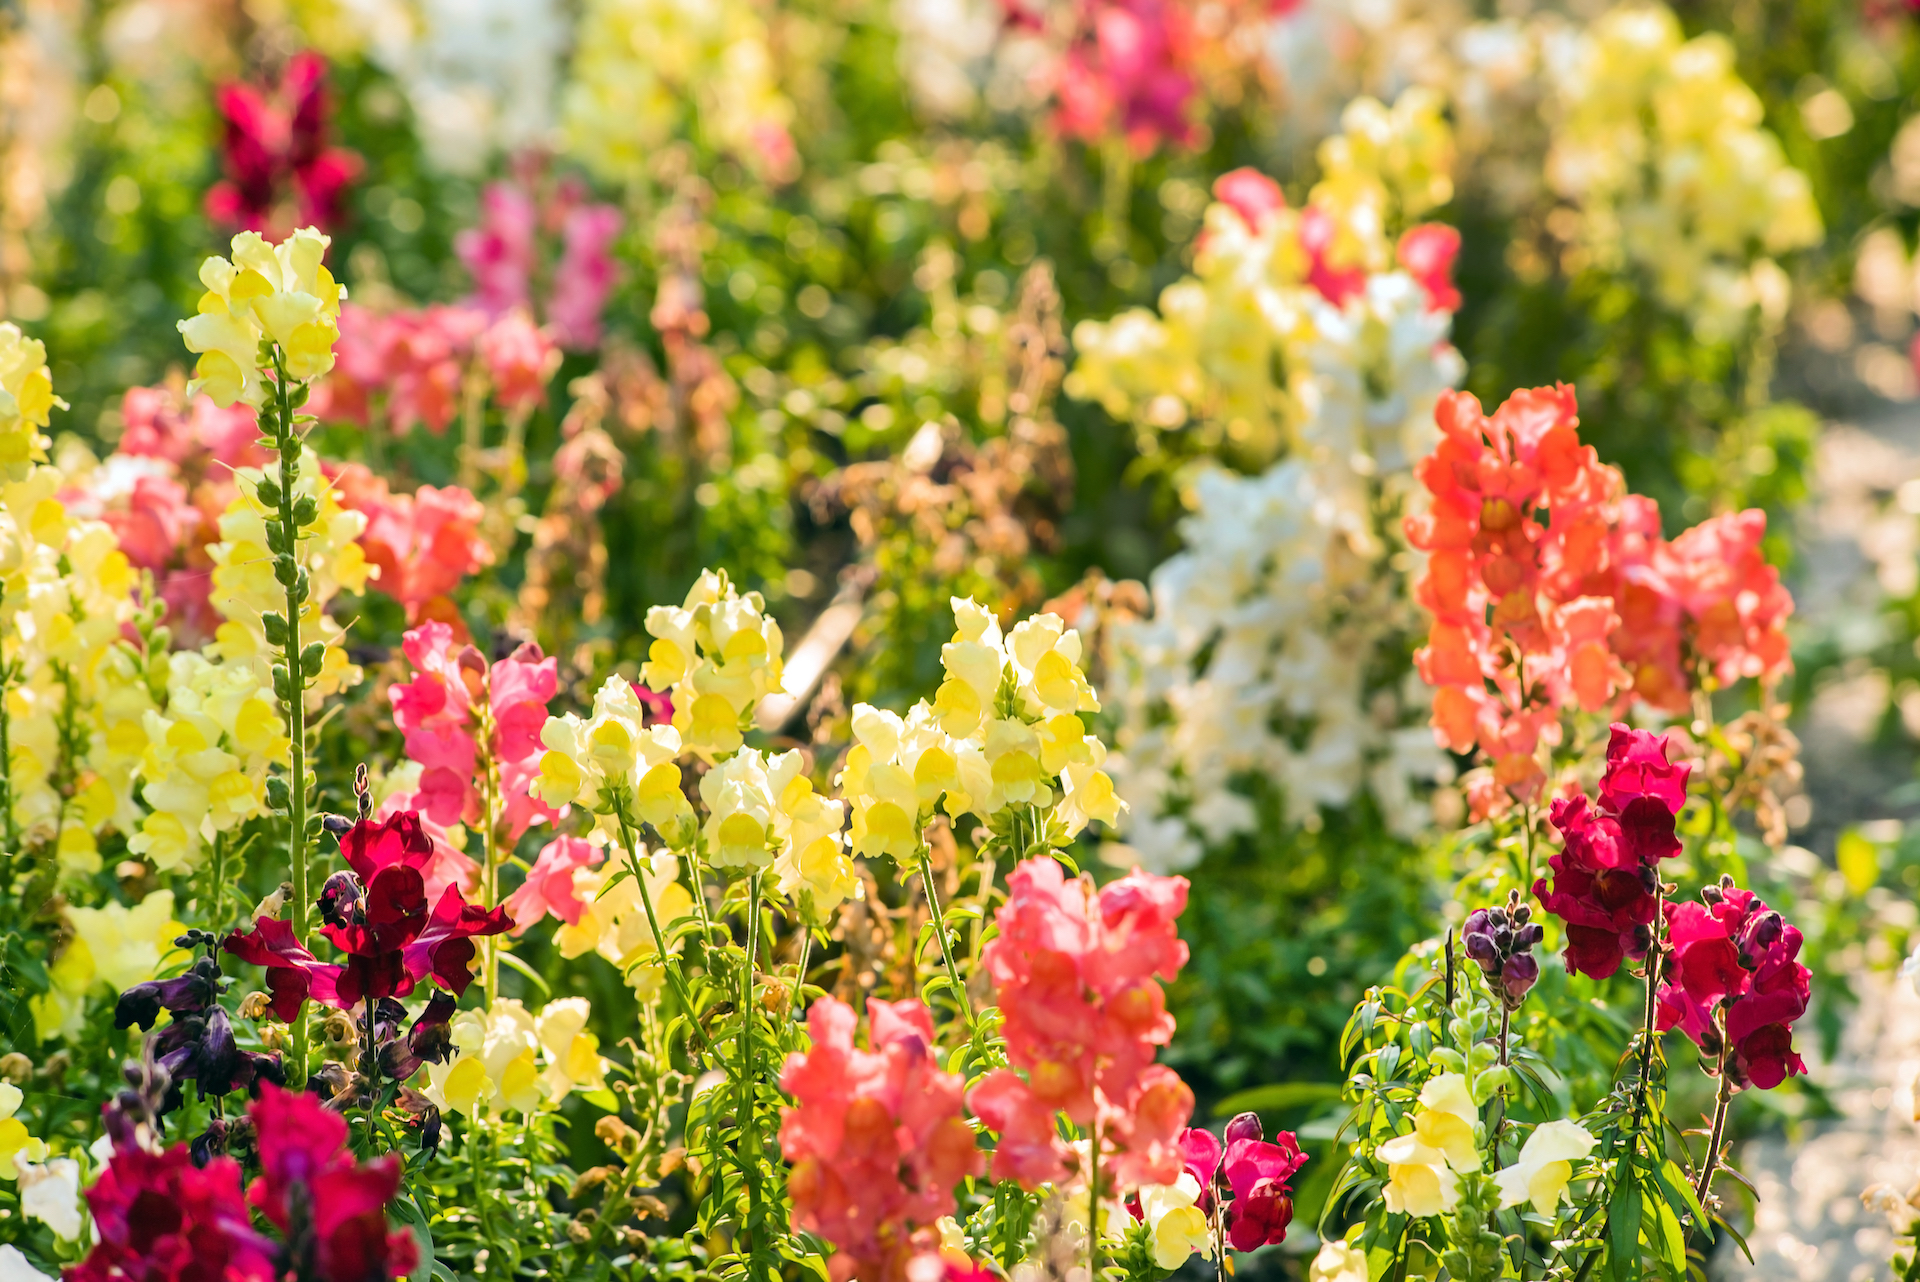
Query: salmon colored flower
{"type": "Point", "coordinates": [877, 1138]}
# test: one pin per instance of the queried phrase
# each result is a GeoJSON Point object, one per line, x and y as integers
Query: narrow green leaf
{"type": "Point", "coordinates": [1623, 1225]}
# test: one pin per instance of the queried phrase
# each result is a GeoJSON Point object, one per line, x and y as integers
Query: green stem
{"type": "Point", "coordinates": [668, 961]}
{"type": "Point", "coordinates": [800, 976]}
{"type": "Point", "coordinates": [1093, 1201]}
{"type": "Point", "coordinates": [7, 681]}
{"type": "Point", "coordinates": [940, 930]}
{"type": "Point", "coordinates": [288, 571]}
{"type": "Point", "coordinates": [746, 1122]}
{"type": "Point", "coordinates": [1712, 1158]}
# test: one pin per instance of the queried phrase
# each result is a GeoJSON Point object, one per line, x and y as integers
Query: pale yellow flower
{"type": "Point", "coordinates": [1540, 1173]}
{"type": "Point", "coordinates": [16, 1146]}
{"type": "Point", "coordinates": [1178, 1226]}
{"type": "Point", "coordinates": [281, 293]}
{"type": "Point", "coordinates": [1338, 1261]}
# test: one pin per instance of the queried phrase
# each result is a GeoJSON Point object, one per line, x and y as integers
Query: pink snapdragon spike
{"type": "Point", "coordinates": [280, 171]}
{"type": "Point", "coordinates": [550, 884]}
{"type": "Point", "coordinates": [436, 715]}
{"type": "Point", "coordinates": [1736, 984]}
{"type": "Point", "coordinates": [520, 360]}
{"type": "Point", "coordinates": [877, 1138]}
{"type": "Point", "coordinates": [500, 253]}
{"type": "Point", "coordinates": [583, 280]}
{"type": "Point", "coordinates": [1128, 72]}
{"type": "Point", "coordinates": [1607, 873]}
{"type": "Point", "coordinates": [1076, 971]}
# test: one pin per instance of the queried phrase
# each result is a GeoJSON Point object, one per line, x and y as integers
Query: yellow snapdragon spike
{"type": "Point", "coordinates": [740, 805]}
{"type": "Point", "coordinates": [26, 400]}
{"type": "Point", "coordinates": [128, 945]}
{"type": "Point", "coordinates": [16, 1145]}
{"type": "Point", "coordinates": [279, 293]}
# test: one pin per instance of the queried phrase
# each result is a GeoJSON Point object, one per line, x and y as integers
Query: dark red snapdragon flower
{"type": "Point", "coordinates": [377, 915]}
{"type": "Point", "coordinates": [274, 148]}
{"type": "Point", "coordinates": [160, 1218]}
{"type": "Point", "coordinates": [1735, 983]}
{"type": "Point", "coordinates": [1606, 877]}
{"type": "Point", "coordinates": [197, 1045]}
{"type": "Point", "coordinates": [1254, 1171]}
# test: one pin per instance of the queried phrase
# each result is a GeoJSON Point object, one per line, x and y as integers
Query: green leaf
{"type": "Point", "coordinates": [1623, 1224]}
{"type": "Point", "coordinates": [529, 973]}
{"type": "Point", "coordinates": [1672, 1243]}
{"type": "Point", "coordinates": [416, 1220]}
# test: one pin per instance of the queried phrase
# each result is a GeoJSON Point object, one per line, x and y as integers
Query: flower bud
{"type": "Point", "coordinates": [1244, 1127]}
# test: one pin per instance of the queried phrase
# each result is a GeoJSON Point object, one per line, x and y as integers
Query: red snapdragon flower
{"type": "Point", "coordinates": [1606, 876]}
{"type": "Point", "coordinates": [275, 153]}
{"type": "Point", "coordinates": [1736, 983]}
{"type": "Point", "coordinates": [378, 915]}
{"type": "Point", "coordinates": [877, 1138]}
{"type": "Point", "coordinates": [1075, 969]}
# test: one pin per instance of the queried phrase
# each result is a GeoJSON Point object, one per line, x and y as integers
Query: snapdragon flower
{"type": "Point", "coordinates": [612, 921]}
{"type": "Point", "coordinates": [26, 400]}
{"type": "Point", "coordinates": [719, 654]}
{"type": "Point", "coordinates": [115, 945]}
{"type": "Point", "coordinates": [282, 294]}
{"type": "Point", "coordinates": [613, 753]}
{"type": "Point", "coordinates": [16, 1145]}
{"type": "Point", "coordinates": [1540, 1173]}
{"type": "Point", "coordinates": [1735, 984]}
{"type": "Point", "coordinates": [495, 1064]}
{"type": "Point", "coordinates": [1424, 1165]}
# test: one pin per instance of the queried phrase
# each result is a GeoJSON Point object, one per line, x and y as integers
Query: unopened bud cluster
{"type": "Point", "coordinates": [1500, 940]}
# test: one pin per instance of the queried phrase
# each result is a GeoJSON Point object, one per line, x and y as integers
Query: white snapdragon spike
{"type": "Point", "coordinates": [740, 809]}
{"type": "Point", "coordinates": [1175, 1221]}
{"type": "Point", "coordinates": [1255, 663]}
{"type": "Point", "coordinates": [50, 1193]}
{"type": "Point", "coordinates": [574, 1062]}
{"type": "Point", "coordinates": [494, 1065]}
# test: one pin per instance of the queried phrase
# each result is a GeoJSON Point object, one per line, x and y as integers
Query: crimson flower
{"type": "Point", "coordinates": [1606, 876]}
{"type": "Point", "coordinates": [275, 146]}
{"type": "Point", "coordinates": [1255, 1172]}
{"type": "Point", "coordinates": [160, 1218]}
{"type": "Point", "coordinates": [1736, 983]}
{"type": "Point", "coordinates": [377, 915]}
{"type": "Point", "coordinates": [332, 1208]}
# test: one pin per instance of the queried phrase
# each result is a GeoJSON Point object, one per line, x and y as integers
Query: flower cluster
{"type": "Point", "coordinates": [506, 1059]}
{"type": "Point", "coordinates": [1257, 663]}
{"type": "Point", "coordinates": [1074, 970]}
{"type": "Point", "coordinates": [503, 254]}
{"type": "Point", "coordinates": [427, 365]}
{"type": "Point", "coordinates": [160, 1215]}
{"type": "Point", "coordinates": [1424, 1165]}
{"type": "Point", "coordinates": [613, 758]}
{"type": "Point", "coordinates": [281, 294]}
{"type": "Point", "coordinates": [465, 722]}
{"type": "Point", "coordinates": [604, 913]}
{"type": "Point", "coordinates": [1534, 616]}
{"type": "Point", "coordinates": [1277, 292]}
{"type": "Point", "coordinates": [1254, 1172]}
{"type": "Point", "coordinates": [1127, 72]}
{"type": "Point", "coordinates": [877, 1137]}
{"type": "Point", "coordinates": [26, 399]}
{"type": "Point", "coordinates": [423, 545]}
{"type": "Point", "coordinates": [718, 655]}
{"type": "Point", "coordinates": [762, 811]}
{"type": "Point", "coordinates": [113, 945]}
{"type": "Point", "coordinates": [1736, 985]}
{"type": "Point", "coordinates": [1500, 941]}
{"type": "Point", "coordinates": [378, 915]}
{"type": "Point", "coordinates": [1660, 145]}
{"type": "Point", "coordinates": [648, 71]}
{"type": "Point", "coordinates": [275, 148]}
{"type": "Point", "coordinates": [1606, 878]}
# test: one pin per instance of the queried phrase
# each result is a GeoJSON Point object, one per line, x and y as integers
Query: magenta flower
{"type": "Point", "coordinates": [1606, 875]}
{"type": "Point", "coordinates": [275, 152]}
{"type": "Point", "coordinates": [1255, 1172]}
{"type": "Point", "coordinates": [1735, 970]}
{"type": "Point", "coordinates": [332, 1208]}
{"type": "Point", "coordinates": [584, 278]}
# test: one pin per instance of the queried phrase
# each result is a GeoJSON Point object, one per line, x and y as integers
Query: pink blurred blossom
{"type": "Point", "coordinates": [425, 543]}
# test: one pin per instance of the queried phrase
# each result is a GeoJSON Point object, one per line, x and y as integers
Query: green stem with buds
{"type": "Point", "coordinates": [745, 1121]}
{"type": "Point", "coordinates": [291, 673]}
{"type": "Point", "coordinates": [668, 962]}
